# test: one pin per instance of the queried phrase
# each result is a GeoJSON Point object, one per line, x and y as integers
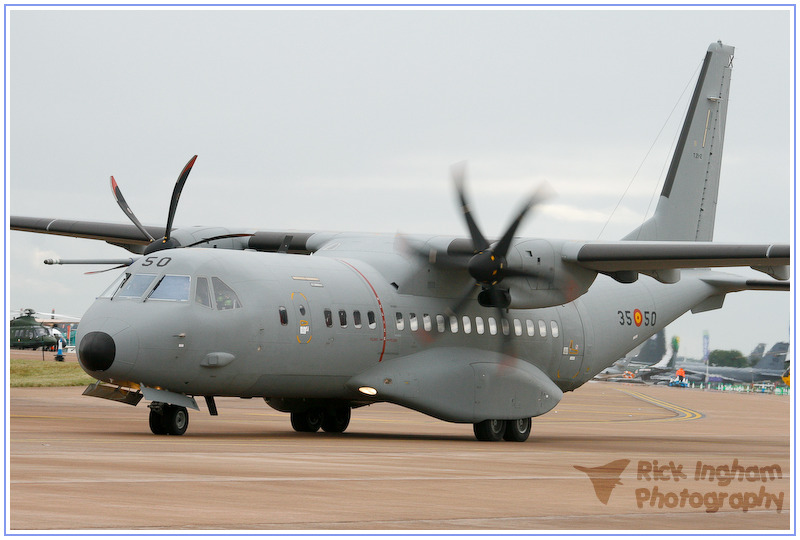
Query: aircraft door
{"type": "Point", "coordinates": [573, 343]}
{"type": "Point", "coordinates": [302, 311]}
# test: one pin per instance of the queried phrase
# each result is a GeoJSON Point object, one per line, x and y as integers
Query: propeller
{"type": "Point", "coordinates": [488, 265]}
{"type": "Point", "coordinates": [486, 262]}
{"type": "Point", "coordinates": [166, 242]}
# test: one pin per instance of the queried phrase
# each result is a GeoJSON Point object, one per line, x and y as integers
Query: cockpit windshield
{"type": "Point", "coordinates": [114, 287]}
{"type": "Point", "coordinates": [175, 288]}
{"type": "Point", "coordinates": [135, 286]}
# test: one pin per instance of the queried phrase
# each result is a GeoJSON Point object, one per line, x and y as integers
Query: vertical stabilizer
{"type": "Point", "coordinates": [688, 202]}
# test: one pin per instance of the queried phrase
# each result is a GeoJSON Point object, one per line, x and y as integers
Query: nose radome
{"type": "Point", "coordinates": [96, 351]}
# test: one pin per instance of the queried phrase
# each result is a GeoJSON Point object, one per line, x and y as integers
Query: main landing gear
{"type": "Point", "coordinates": [331, 419]}
{"type": "Point", "coordinates": [510, 430]}
{"type": "Point", "coordinates": [166, 419]}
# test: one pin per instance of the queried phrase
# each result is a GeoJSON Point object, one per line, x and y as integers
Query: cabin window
{"type": "Point", "coordinates": [284, 315]}
{"type": "Point", "coordinates": [342, 318]}
{"type": "Point", "coordinates": [517, 327]}
{"type": "Point", "coordinates": [479, 325]}
{"type": "Point", "coordinates": [454, 324]}
{"type": "Point", "coordinates": [530, 327]}
{"type": "Point", "coordinates": [466, 322]}
{"type": "Point", "coordinates": [506, 328]}
{"type": "Point", "coordinates": [328, 318]}
{"type": "Point", "coordinates": [357, 319]}
{"type": "Point", "coordinates": [225, 296]}
{"type": "Point", "coordinates": [412, 322]}
{"type": "Point", "coordinates": [136, 286]}
{"type": "Point", "coordinates": [398, 320]}
{"type": "Point", "coordinates": [426, 322]}
{"type": "Point", "coordinates": [492, 326]}
{"type": "Point", "coordinates": [554, 328]}
{"type": "Point", "coordinates": [173, 288]}
{"type": "Point", "coordinates": [542, 329]}
{"type": "Point", "coordinates": [440, 323]}
{"type": "Point", "coordinates": [371, 319]}
{"type": "Point", "coordinates": [202, 295]}
{"type": "Point", "coordinates": [115, 285]}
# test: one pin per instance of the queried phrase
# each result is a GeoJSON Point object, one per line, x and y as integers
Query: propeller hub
{"type": "Point", "coordinates": [158, 245]}
{"type": "Point", "coordinates": [487, 267]}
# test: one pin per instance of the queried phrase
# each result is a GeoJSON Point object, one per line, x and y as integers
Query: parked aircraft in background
{"type": "Point", "coordinates": [468, 330]}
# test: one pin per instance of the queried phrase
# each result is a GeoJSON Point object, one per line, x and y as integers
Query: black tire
{"type": "Point", "coordinates": [517, 430]}
{"type": "Point", "coordinates": [336, 419]}
{"type": "Point", "coordinates": [176, 419]}
{"type": "Point", "coordinates": [157, 424]}
{"type": "Point", "coordinates": [308, 421]}
{"type": "Point", "coordinates": [489, 430]}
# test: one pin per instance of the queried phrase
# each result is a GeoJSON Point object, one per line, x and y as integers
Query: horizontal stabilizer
{"type": "Point", "coordinates": [624, 256]}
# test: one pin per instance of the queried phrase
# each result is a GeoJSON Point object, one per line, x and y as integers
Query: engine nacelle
{"type": "Point", "coordinates": [560, 282]}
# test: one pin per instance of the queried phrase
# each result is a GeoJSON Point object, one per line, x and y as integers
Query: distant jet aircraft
{"type": "Point", "coordinates": [469, 330]}
{"type": "Point", "coordinates": [770, 368]}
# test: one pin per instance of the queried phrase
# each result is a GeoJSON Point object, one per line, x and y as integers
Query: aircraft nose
{"type": "Point", "coordinates": [96, 351]}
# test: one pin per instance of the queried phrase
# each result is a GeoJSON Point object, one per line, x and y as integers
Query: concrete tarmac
{"type": "Point", "coordinates": [686, 460]}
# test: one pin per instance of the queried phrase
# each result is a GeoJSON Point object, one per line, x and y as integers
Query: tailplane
{"type": "Point", "coordinates": [688, 201]}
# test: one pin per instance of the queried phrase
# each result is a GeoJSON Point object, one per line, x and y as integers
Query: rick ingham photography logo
{"type": "Point", "coordinates": [714, 486]}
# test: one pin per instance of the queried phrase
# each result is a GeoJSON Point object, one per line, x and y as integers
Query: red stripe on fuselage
{"type": "Point", "coordinates": [380, 304]}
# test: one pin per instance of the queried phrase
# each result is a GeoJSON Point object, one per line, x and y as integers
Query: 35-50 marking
{"type": "Point", "coordinates": [636, 317]}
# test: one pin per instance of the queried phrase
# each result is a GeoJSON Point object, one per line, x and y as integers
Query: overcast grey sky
{"type": "Point", "coordinates": [350, 119]}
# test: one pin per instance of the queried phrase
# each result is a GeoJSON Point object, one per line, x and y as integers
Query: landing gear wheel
{"type": "Point", "coordinates": [308, 421]}
{"type": "Point", "coordinates": [176, 419]}
{"type": "Point", "coordinates": [489, 430]}
{"type": "Point", "coordinates": [336, 419]}
{"type": "Point", "coordinates": [157, 425]}
{"type": "Point", "coordinates": [517, 430]}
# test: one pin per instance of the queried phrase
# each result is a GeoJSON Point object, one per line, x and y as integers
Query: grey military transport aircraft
{"type": "Point", "coordinates": [466, 330]}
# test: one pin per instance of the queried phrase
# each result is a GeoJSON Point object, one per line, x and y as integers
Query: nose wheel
{"type": "Point", "coordinates": [166, 419]}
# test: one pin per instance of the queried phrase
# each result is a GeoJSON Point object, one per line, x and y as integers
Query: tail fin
{"type": "Point", "coordinates": [775, 358]}
{"type": "Point", "coordinates": [688, 202]}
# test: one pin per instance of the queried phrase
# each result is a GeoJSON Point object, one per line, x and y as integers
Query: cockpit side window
{"type": "Point", "coordinates": [225, 297]}
{"type": "Point", "coordinates": [135, 286]}
{"type": "Point", "coordinates": [174, 288]}
{"type": "Point", "coordinates": [115, 285]}
{"type": "Point", "coordinates": [202, 295]}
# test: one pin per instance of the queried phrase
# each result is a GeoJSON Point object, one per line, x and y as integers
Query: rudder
{"type": "Point", "coordinates": [688, 202]}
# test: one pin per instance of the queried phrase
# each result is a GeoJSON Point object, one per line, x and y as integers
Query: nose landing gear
{"type": "Point", "coordinates": [166, 419]}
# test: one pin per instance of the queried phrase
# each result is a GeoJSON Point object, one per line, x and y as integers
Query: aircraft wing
{"type": "Point", "coordinates": [615, 258]}
{"type": "Point", "coordinates": [114, 233]}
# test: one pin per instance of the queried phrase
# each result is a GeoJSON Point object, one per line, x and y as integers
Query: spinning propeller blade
{"type": "Point", "coordinates": [127, 209]}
